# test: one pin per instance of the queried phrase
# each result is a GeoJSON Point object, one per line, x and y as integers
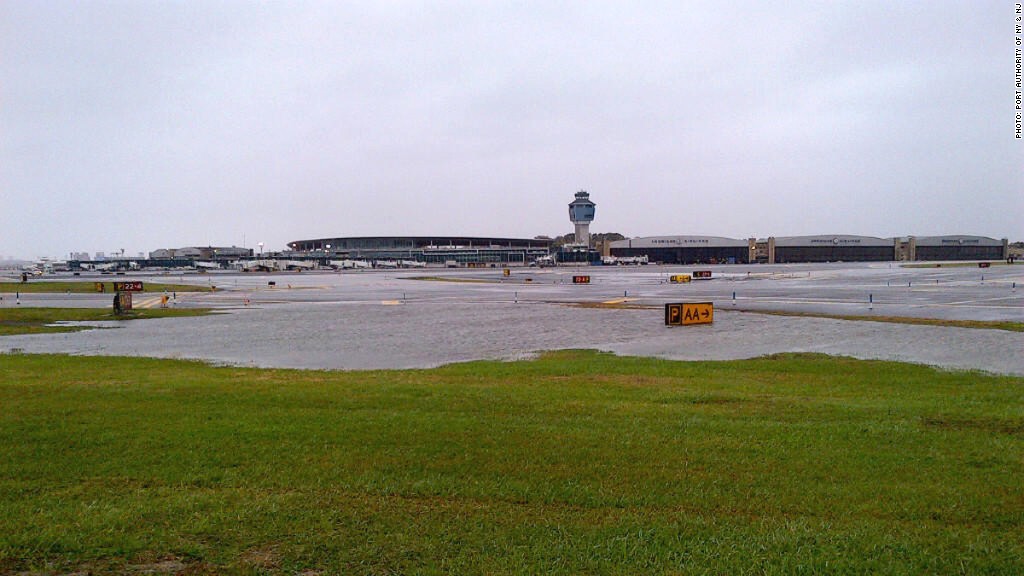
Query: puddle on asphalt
{"type": "Point", "coordinates": [427, 334]}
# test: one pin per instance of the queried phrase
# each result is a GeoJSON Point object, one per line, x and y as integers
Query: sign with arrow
{"type": "Point", "coordinates": [128, 286]}
{"type": "Point", "coordinates": [687, 313]}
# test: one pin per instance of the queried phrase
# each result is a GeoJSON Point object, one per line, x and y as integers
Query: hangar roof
{"type": "Point", "coordinates": [957, 241]}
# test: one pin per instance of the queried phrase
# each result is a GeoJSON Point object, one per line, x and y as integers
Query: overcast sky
{"type": "Point", "coordinates": [142, 125]}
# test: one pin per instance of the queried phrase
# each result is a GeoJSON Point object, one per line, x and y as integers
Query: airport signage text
{"type": "Point", "coordinates": [679, 278]}
{"type": "Point", "coordinates": [135, 286]}
{"type": "Point", "coordinates": [680, 241]}
{"type": "Point", "coordinates": [687, 313]}
{"type": "Point", "coordinates": [703, 274]}
{"type": "Point", "coordinates": [581, 279]}
{"type": "Point", "coordinates": [835, 241]}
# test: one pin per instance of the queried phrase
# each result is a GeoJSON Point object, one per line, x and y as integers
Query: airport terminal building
{"type": "Point", "coordinates": [464, 250]}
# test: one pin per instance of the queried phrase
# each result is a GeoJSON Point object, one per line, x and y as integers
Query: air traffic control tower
{"type": "Point", "coordinates": [581, 213]}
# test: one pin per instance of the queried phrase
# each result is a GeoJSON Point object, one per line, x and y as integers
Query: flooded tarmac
{"type": "Point", "coordinates": [388, 320]}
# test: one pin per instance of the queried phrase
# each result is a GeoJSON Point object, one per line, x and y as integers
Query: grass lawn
{"type": "Point", "coordinates": [574, 463]}
{"type": "Point", "coordinates": [89, 287]}
{"type": "Point", "coordinates": [38, 320]}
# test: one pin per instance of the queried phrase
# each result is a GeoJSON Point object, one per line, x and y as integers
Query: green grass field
{"type": "Point", "coordinates": [40, 320]}
{"type": "Point", "coordinates": [574, 463]}
{"type": "Point", "coordinates": [88, 287]}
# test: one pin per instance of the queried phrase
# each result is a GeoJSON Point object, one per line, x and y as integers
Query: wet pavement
{"type": "Point", "coordinates": [386, 319]}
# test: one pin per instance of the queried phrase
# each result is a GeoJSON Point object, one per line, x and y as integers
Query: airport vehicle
{"type": "Point", "coordinates": [544, 262]}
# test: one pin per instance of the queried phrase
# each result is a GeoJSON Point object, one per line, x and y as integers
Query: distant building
{"type": "Point", "coordinates": [684, 249]}
{"type": "Point", "coordinates": [464, 250]}
{"type": "Point", "coordinates": [201, 252]}
{"type": "Point", "coordinates": [952, 248]}
{"type": "Point", "coordinates": [831, 248]}
{"type": "Point", "coordinates": [802, 249]}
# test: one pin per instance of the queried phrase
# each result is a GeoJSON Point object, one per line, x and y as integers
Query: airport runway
{"type": "Point", "coordinates": [387, 319]}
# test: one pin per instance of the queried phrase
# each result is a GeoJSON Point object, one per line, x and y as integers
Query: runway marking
{"type": "Point", "coordinates": [984, 300]}
{"type": "Point", "coordinates": [755, 300]}
{"type": "Point", "coordinates": [146, 303]}
{"type": "Point", "coordinates": [391, 302]}
{"type": "Point", "coordinates": [619, 300]}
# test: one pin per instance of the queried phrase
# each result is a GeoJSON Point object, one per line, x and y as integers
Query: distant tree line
{"type": "Point", "coordinates": [570, 238]}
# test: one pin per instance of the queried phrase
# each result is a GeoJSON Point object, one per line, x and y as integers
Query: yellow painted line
{"type": "Point", "coordinates": [620, 300]}
{"type": "Point", "coordinates": [146, 303]}
{"type": "Point", "coordinates": [391, 302]}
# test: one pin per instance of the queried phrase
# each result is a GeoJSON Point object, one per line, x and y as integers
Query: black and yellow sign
{"type": "Point", "coordinates": [679, 278]}
{"type": "Point", "coordinates": [581, 279]}
{"type": "Point", "coordinates": [506, 272]}
{"type": "Point", "coordinates": [135, 286]}
{"type": "Point", "coordinates": [686, 313]}
{"type": "Point", "coordinates": [702, 274]}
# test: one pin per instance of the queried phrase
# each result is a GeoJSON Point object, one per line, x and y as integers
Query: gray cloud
{"type": "Point", "coordinates": [152, 124]}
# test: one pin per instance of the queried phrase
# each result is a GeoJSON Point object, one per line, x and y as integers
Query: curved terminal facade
{"type": "Point", "coordinates": [427, 249]}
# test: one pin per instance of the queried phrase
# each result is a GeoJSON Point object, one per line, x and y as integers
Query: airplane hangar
{"type": "Point", "coordinates": [684, 249]}
{"type": "Point", "coordinates": [831, 248]}
{"type": "Point", "coordinates": [954, 248]}
{"type": "Point", "coordinates": [803, 249]}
